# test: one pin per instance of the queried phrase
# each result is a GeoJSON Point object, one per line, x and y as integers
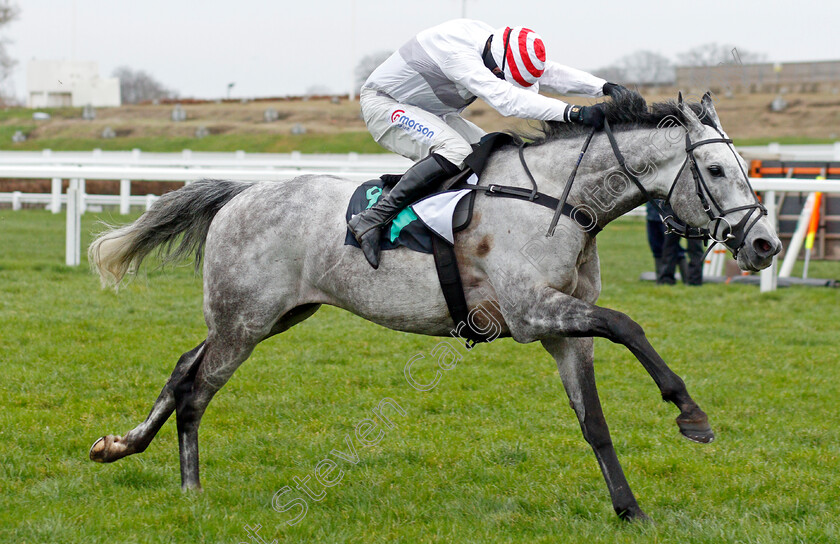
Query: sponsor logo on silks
{"type": "Point", "coordinates": [373, 195]}
{"type": "Point", "coordinates": [410, 125]}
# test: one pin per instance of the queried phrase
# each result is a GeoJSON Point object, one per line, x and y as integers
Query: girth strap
{"type": "Point", "coordinates": [446, 265]}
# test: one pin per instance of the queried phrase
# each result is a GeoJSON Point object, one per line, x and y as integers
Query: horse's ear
{"type": "Point", "coordinates": [709, 108]}
{"type": "Point", "coordinates": [679, 98]}
{"type": "Point", "coordinates": [692, 122]}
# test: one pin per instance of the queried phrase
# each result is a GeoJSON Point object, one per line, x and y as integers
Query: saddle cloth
{"type": "Point", "coordinates": [440, 214]}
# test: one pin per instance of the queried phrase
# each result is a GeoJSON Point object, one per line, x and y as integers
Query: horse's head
{"type": "Point", "coordinates": [713, 191]}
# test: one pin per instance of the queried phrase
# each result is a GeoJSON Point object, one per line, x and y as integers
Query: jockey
{"type": "Point", "coordinates": [412, 102]}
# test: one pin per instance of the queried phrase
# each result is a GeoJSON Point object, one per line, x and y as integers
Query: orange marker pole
{"type": "Point", "coordinates": [813, 225]}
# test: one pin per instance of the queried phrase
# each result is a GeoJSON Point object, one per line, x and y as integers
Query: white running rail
{"type": "Point", "coordinates": [359, 170]}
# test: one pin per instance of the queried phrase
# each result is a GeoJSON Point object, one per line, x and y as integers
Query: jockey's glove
{"type": "Point", "coordinates": [591, 116]}
{"type": "Point", "coordinates": [614, 90]}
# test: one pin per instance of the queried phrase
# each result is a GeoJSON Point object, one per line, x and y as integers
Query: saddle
{"type": "Point", "coordinates": [407, 229]}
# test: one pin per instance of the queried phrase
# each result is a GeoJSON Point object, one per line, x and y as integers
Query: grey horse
{"type": "Point", "coordinates": [273, 252]}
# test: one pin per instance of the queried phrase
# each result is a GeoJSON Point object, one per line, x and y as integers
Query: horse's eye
{"type": "Point", "coordinates": [716, 171]}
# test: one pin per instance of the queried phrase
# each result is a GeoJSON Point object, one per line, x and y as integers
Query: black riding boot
{"type": "Point", "coordinates": [366, 226]}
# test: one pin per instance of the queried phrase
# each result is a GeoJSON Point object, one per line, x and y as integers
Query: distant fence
{"type": "Point", "coordinates": [763, 77]}
{"type": "Point", "coordinates": [186, 166]}
{"type": "Point", "coordinates": [200, 159]}
{"type": "Point", "coordinates": [161, 167]}
{"type": "Point", "coordinates": [183, 167]}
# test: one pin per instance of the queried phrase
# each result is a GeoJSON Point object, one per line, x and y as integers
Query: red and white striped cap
{"type": "Point", "coordinates": [523, 60]}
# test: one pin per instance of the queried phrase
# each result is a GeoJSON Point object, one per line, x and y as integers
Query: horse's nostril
{"type": "Point", "coordinates": [762, 246]}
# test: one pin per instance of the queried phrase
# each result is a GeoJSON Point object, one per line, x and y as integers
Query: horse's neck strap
{"type": "Point", "coordinates": [631, 175]}
{"type": "Point", "coordinates": [528, 171]}
{"type": "Point", "coordinates": [519, 193]}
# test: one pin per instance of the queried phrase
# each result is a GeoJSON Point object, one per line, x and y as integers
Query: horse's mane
{"type": "Point", "coordinates": [628, 111]}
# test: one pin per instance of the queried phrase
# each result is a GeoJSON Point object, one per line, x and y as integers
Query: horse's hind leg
{"type": "Point", "coordinates": [221, 358]}
{"type": "Point", "coordinates": [113, 447]}
{"type": "Point", "coordinates": [192, 395]}
{"type": "Point", "coordinates": [574, 358]}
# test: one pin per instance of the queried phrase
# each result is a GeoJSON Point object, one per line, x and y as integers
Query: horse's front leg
{"type": "Point", "coordinates": [560, 315]}
{"type": "Point", "coordinates": [692, 421]}
{"type": "Point", "coordinates": [574, 358]}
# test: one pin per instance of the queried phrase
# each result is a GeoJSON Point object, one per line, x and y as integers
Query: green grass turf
{"type": "Point", "coordinates": [785, 140]}
{"type": "Point", "coordinates": [344, 142]}
{"type": "Point", "coordinates": [492, 454]}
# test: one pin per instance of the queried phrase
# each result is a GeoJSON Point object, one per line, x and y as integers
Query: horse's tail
{"type": "Point", "coordinates": [185, 214]}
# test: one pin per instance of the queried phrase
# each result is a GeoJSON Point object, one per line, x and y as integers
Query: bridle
{"type": "Point", "coordinates": [718, 229]}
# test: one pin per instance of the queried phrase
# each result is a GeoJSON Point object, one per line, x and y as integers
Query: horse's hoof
{"type": "Point", "coordinates": [97, 451]}
{"type": "Point", "coordinates": [108, 449]}
{"type": "Point", "coordinates": [695, 427]}
{"type": "Point", "coordinates": [703, 437]}
{"type": "Point", "coordinates": [634, 515]}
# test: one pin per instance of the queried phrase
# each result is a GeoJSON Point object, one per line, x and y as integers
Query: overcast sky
{"type": "Point", "coordinates": [281, 47]}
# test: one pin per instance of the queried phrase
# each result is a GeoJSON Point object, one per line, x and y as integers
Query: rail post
{"type": "Point", "coordinates": [72, 247]}
{"type": "Point", "coordinates": [55, 198]}
{"type": "Point", "coordinates": [125, 195]}
{"type": "Point", "coordinates": [82, 197]}
{"type": "Point", "coordinates": [769, 276]}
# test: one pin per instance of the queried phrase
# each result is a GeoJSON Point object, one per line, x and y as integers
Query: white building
{"type": "Point", "coordinates": [57, 83]}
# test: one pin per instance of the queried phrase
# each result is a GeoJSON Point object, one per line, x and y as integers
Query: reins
{"type": "Point", "coordinates": [567, 189]}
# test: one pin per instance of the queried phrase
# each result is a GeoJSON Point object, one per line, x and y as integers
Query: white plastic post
{"type": "Point", "coordinates": [768, 275]}
{"type": "Point", "coordinates": [46, 152]}
{"type": "Point", "coordinates": [718, 260]}
{"type": "Point", "coordinates": [295, 155]}
{"type": "Point", "coordinates": [150, 199]}
{"type": "Point", "coordinates": [837, 151]}
{"type": "Point", "coordinates": [707, 263]}
{"type": "Point", "coordinates": [135, 155]}
{"type": "Point", "coordinates": [55, 201]}
{"type": "Point", "coordinates": [16, 200]}
{"type": "Point", "coordinates": [714, 264]}
{"type": "Point", "coordinates": [186, 154]}
{"type": "Point", "coordinates": [798, 237]}
{"type": "Point", "coordinates": [82, 197]}
{"type": "Point", "coordinates": [125, 195]}
{"type": "Point", "coordinates": [72, 247]}
{"type": "Point", "coordinates": [239, 155]}
{"type": "Point", "coordinates": [774, 148]}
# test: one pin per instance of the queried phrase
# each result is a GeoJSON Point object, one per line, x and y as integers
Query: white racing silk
{"type": "Point", "coordinates": [441, 71]}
